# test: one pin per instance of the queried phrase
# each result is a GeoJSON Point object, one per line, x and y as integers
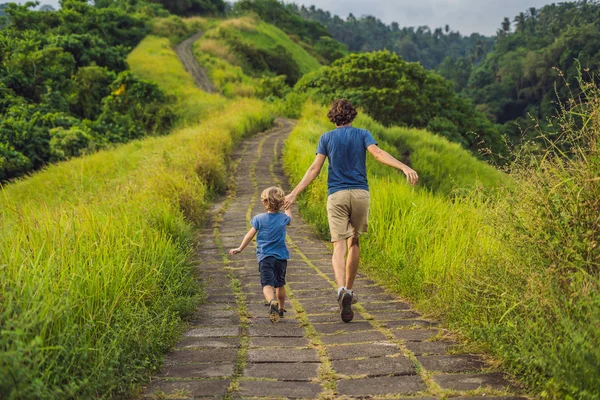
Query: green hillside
{"type": "Point", "coordinates": [238, 53]}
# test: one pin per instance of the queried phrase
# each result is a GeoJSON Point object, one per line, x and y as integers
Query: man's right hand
{"type": "Point", "coordinates": [411, 175]}
{"type": "Point", "coordinates": [289, 200]}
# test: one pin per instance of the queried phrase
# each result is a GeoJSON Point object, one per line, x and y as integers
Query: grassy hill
{"type": "Point", "coordinates": [239, 53]}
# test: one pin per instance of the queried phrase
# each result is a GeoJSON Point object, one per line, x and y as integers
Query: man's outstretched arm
{"type": "Point", "coordinates": [313, 171]}
{"type": "Point", "coordinates": [386, 158]}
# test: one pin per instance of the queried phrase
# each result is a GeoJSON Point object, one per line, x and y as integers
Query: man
{"type": "Point", "coordinates": [348, 193]}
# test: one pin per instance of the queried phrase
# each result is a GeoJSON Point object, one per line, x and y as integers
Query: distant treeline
{"type": "Point", "coordinates": [421, 44]}
{"type": "Point", "coordinates": [533, 70]}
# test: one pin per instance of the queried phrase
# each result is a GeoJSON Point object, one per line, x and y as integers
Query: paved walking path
{"type": "Point", "coordinates": [185, 52]}
{"type": "Point", "coordinates": [232, 350]}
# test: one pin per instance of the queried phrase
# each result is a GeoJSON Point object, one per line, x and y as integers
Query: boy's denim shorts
{"type": "Point", "coordinates": [272, 272]}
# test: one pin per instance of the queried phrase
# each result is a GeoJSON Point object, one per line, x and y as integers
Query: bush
{"type": "Point", "coordinates": [12, 163]}
{"type": "Point", "coordinates": [142, 101]}
{"type": "Point", "coordinates": [71, 142]}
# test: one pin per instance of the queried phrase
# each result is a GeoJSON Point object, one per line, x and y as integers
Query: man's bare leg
{"type": "Point", "coordinates": [352, 261]}
{"type": "Point", "coordinates": [338, 262]}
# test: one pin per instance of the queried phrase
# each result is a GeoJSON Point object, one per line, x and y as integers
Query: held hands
{"type": "Point", "coordinates": [411, 175]}
{"type": "Point", "coordinates": [289, 200]}
{"type": "Point", "coordinates": [233, 252]}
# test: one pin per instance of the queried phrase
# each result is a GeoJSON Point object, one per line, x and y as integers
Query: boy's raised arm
{"type": "Point", "coordinates": [288, 212]}
{"type": "Point", "coordinates": [249, 236]}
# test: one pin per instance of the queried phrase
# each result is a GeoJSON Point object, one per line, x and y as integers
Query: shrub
{"type": "Point", "coordinates": [12, 163]}
{"type": "Point", "coordinates": [71, 142]}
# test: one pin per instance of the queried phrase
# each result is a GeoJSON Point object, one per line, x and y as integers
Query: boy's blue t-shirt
{"type": "Point", "coordinates": [270, 240]}
{"type": "Point", "coordinates": [346, 149]}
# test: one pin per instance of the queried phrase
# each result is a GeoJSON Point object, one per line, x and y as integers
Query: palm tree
{"type": "Point", "coordinates": [532, 18]}
{"type": "Point", "coordinates": [521, 22]}
{"type": "Point", "coordinates": [506, 25]}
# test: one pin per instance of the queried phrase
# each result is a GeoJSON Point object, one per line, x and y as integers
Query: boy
{"type": "Point", "coordinates": [271, 251]}
{"type": "Point", "coordinates": [348, 193]}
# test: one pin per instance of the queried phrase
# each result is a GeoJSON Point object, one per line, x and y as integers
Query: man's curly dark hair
{"type": "Point", "coordinates": [342, 112]}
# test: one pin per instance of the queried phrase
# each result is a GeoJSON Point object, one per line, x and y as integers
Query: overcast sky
{"type": "Point", "coordinates": [467, 16]}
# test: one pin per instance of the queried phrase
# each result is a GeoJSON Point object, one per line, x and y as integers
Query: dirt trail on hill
{"type": "Point", "coordinates": [231, 349]}
{"type": "Point", "coordinates": [185, 53]}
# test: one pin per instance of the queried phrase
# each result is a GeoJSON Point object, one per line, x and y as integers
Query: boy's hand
{"type": "Point", "coordinates": [233, 252]}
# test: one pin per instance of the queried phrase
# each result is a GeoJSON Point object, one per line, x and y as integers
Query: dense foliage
{"type": "Point", "coordinates": [421, 44]}
{"type": "Point", "coordinates": [64, 85]}
{"type": "Point", "coordinates": [396, 92]}
{"type": "Point", "coordinates": [535, 68]}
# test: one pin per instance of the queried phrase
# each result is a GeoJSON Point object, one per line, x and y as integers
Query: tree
{"type": "Point", "coordinates": [506, 26]}
{"type": "Point", "coordinates": [521, 22]}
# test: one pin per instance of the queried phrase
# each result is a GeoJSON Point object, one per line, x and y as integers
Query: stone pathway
{"type": "Point", "coordinates": [232, 350]}
{"type": "Point", "coordinates": [185, 52]}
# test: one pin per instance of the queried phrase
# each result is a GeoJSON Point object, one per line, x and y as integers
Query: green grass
{"type": "Point", "coordinates": [267, 36]}
{"type": "Point", "coordinates": [154, 59]}
{"type": "Point", "coordinates": [95, 272]}
{"type": "Point", "coordinates": [517, 272]}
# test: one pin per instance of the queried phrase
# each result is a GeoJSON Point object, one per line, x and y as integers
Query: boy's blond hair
{"type": "Point", "coordinates": [273, 198]}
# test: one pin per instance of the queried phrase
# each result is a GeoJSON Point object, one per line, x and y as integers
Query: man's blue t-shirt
{"type": "Point", "coordinates": [270, 240]}
{"type": "Point", "coordinates": [346, 149]}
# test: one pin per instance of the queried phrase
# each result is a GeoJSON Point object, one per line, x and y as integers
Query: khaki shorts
{"type": "Point", "coordinates": [348, 213]}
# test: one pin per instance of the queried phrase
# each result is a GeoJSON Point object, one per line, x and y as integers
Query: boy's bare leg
{"type": "Point", "coordinates": [338, 262]}
{"type": "Point", "coordinates": [281, 297]}
{"type": "Point", "coordinates": [269, 293]}
{"type": "Point", "coordinates": [352, 262]}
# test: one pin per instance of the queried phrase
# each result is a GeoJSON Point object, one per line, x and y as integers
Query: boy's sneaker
{"type": "Point", "coordinates": [274, 311]}
{"type": "Point", "coordinates": [345, 302]}
{"type": "Point", "coordinates": [281, 313]}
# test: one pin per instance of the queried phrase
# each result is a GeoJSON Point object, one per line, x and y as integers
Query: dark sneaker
{"type": "Point", "coordinates": [345, 302]}
{"type": "Point", "coordinates": [354, 298]}
{"type": "Point", "coordinates": [274, 311]}
{"type": "Point", "coordinates": [281, 313]}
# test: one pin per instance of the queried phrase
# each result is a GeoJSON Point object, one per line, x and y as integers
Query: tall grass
{"type": "Point", "coordinates": [518, 272]}
{"type": "Point", "coordinates": [95, 273]}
